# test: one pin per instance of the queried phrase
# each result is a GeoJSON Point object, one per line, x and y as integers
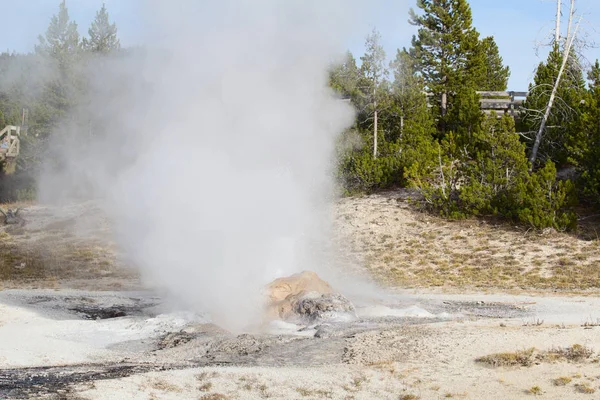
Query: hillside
{"type": "Point", "coordinates": [404, 248]}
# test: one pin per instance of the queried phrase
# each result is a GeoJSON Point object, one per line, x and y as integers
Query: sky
{"type": "Point", "coordinates": [522, 28]}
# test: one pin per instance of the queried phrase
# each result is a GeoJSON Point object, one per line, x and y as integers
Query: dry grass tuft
{"type": "Point", "coordinates": [215, 396]}
{"type": "Point", "coordinates": [524, 358]}
{"type": "Point", "coordinates": [561, 381]}
{"type": "Point", "coordinates": [409, 397]}
{"type": "Point", "coordinates": [535, 390]}
{"type": "Point", "coordinates": [575, 353]}
{"type": "Point", "coordinates": [388, 366]}
{"type": "Point", "coordinates": [584, 388]}
{"type": "Point", "coordinates": [325, 394]}
{"type": "Point", "coordinates": [164, 386]}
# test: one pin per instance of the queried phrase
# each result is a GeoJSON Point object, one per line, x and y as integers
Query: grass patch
{"type": "Point", "coordinates": [525, 358]}
{"type": "Point", "coordinates": [561, 381]}
{"type": "Point", "coordinates": [164, 386]}
{"type": "Point", "coordinates": [575, 353]}
{"type": "Point", "coordinates": [584, 388]}
{"type": "Point", "coordinates": [215, 396]}
{"type": "Point", "coordinates": [52, 259]}
{"type": "Point", "coordinates": [325, 394]}
{"type": "Point", "coordinates": [472, 254]}
{"type": "Point", "coordinates": [535, 390]}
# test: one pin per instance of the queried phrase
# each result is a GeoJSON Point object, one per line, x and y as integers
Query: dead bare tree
{"type": "Point", "coordinates": [375, 71]}
{"type": "Point", "coordinates": [565, 58]}
{"type": "Point", "coordinates": [558, 15]}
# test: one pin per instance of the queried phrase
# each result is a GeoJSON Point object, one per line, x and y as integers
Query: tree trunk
{"type": "Point", "coordinates": [444, 103]}
{"type": "Point", "coordinates": [375, 135]}
{"type": "Point", "coordinates": [401, 125]}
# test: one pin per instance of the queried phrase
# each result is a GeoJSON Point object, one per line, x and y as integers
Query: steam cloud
{"type": "Point", "coordinates": [217, 164]}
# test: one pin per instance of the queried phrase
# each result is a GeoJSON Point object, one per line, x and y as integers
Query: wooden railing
{"type": "Point", "coordinates": [10, 144]}
{"type": "Point", "coordinates": [501, 102]}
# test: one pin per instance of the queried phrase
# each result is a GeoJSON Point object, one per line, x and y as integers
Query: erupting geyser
{"type": "Point", "coordinates": [217, 163]}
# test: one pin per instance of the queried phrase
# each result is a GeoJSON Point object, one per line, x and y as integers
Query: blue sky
{"type": "Point", "coordinates": [517, 25]}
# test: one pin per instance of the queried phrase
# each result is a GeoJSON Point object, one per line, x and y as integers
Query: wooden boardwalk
{"type": "Point", "coordinates": [10, 147]}
{"type": "Point", "coordinates": [502, 102]}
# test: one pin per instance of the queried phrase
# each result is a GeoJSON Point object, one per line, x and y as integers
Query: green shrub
{"type": "Point", "coordinates": [489, 176]}
{"type": "Point", "coordinates": [545, 201]}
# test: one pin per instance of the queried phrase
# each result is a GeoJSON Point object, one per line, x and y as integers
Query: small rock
{"type": "Point", "coordinates": [323, 331]}
{"type": "Point", "coordinates": [174, 339]}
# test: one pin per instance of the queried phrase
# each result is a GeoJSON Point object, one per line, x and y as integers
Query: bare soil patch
{"type": "Point", "coordinates": [62, 247]}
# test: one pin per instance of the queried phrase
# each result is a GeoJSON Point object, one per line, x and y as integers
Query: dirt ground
{"type": "Point", "coordinates": [467, 310]}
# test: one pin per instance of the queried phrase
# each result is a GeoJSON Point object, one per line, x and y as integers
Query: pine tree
{"type": "Point", "coordinates": [59, 47]}
{"type": "Point", "coordinates": [446, 51]}
{"type": "Point", "coordinates": [344, 77]}
{"type": "Point", "coordinates": [414, 124]}
{"type": "Point", "coordinates": [404, 125]}
{"type": "Point", "coordinates": [495, 75]}
{"type": "Point", "coordinates": [465, 118]}
{"type": "Point", "coordinates": [594, 75]}
{"type": "Point", "coordinates": [103, 35]}
{"type": "Point", "coordinates": [493, 179]}
{"type": "Point", "coordinates": [61, 41]}
{"type": "Point", "coordinates": [589, 161]}
{"type": "Point", "coordinates": [408, 88]}
{"type": "Point", "coordinates": [496, 169]}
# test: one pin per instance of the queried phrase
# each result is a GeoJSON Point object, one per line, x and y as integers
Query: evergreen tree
{"type": "Point", "coordinates": [61, 41]}
{"type": "Point", "coordinates": [103, 35]}
{"type": "Point", "coordinates": [543, 201]}
{"type": "Point", "coordinates": [446, 51]}
{"type": "Point", "coordinates": [589, 161]}
{"type": "Point", "coordinates": [496, 170]}
{"type": "Point", "coordinates": [493, 179]}
{"type": "Point", "coordinates": [344, 77]}
{"type": "Point", "coordinates": [60, 47]}
{"type": "Point", "coordinates": [594, 76]}
{"type": "Point", "coordinates": [495, 75]}
{"type": "Point", "coordinates": [465, 119]}
{"type": "Point", "coordinates": [414, 124]}
{"type": "Point", "coordinates": [405, 127]}
{"type": "Point", "coordinates": [408, 89]}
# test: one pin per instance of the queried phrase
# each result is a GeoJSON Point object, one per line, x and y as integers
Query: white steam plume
{"type": "Point", "coordinates": [218, 166]}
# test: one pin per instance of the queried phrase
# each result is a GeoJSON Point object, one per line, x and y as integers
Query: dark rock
{"type": "Point", "coordinates": [323, 331]}
{"type": "Point", "coordinates": [314, 307]}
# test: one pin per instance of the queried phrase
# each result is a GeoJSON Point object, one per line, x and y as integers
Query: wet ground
{"type": "Point", "coordinates": [132, 333]}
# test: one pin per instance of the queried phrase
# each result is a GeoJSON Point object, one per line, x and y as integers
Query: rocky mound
{"type": "Point", "coordinates": [306, 298]}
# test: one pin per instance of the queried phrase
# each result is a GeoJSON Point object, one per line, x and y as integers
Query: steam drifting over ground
{"type": "Point", "coordinates": [217, 162]}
